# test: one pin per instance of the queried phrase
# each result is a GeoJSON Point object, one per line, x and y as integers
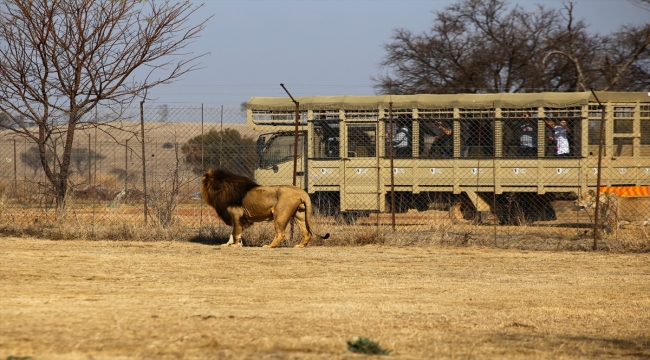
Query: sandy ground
{"type": "Point", "coordinates": [183, 300]}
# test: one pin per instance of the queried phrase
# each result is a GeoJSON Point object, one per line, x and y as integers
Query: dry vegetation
{"type": "Point", "coordinates": [191, 300]}
{"type": "Point", "coordinates": [194, 221]}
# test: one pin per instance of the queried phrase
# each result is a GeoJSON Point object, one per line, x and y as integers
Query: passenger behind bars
{"type": "Point", "coordinates": [527, 137]}
{"type": "Point", "coordinates": [560, 136]}
{"type": "Point", "coordinates": [402, 142]}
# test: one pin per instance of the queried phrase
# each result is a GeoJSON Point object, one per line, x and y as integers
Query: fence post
{"type": "Point", "coordinates": [203, 166]}
{"type": "Point", "coordinates": [144, 162]}
{"type": "Point", "coordinates": [89, 162]}
{"type": "Point", "coordinates": [15, 171]}
{"type": "Point", "coordinates": [392, 168]}
{"type": "Point", "coordinates": [126, 165]}
{"type": "Point", "coordinates": [598, 176]}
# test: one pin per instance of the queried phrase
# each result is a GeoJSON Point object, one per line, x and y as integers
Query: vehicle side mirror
{"type": "Point", "coordinates": [259, 146]}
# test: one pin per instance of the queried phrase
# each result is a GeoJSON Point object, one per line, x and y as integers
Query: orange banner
{"type": "Point", "coordinates": [627, 190]}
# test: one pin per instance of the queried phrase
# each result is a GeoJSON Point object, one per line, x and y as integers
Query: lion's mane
{"type": "Point", "coordinates": [222, 189]}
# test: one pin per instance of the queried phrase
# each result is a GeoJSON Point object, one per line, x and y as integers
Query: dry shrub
{"type": "Point", "coordinates": [366, 346]}
{"type": "Point", "coordinates": [368, 237]}
{"type": "Point", "coordinates": [628, 239]}
{"type": "Point", "coordinates": [28, 192]}
{"type": "Point", "coordinates": [2, 200]}
{"type": "Point", "coordinates": [109, 181]}
{"type": "Point", "coordinates": [263, 233]}
{"type": "Point", "coordinates": [350, 235]}
{"type": "Point", "coordinates": [77, 227]}
{"type": "Point", "coordinates": [212, 235]}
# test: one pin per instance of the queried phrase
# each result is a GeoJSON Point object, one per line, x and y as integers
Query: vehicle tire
{"type": "Point", "coordinates": [463, 212]}
{"type": "Point", "coordinates": [326, 203]}
{"type": "Point", "coordinates": [349, 217]}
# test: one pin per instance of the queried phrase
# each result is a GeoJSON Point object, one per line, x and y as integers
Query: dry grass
{"type": "Point", "coordinates": [192, 221]}
{"type": "Point", "coordinates": [187, 300]}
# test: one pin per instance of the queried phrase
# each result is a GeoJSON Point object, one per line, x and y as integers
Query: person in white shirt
{"type": "Point", "coordinates": [560, 134]}
{"type": "Point", "coordinates": [402, 142]}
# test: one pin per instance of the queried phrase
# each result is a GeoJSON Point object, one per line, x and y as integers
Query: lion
{"type": "Point", "coordinates": [617, 211]}
{"type": "Point", "coordinates": [240, 202]}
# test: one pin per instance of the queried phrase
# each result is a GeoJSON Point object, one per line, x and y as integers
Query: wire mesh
{"type": "Point", "coordinates": [511, 177]}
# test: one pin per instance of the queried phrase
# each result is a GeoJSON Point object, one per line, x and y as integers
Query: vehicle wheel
{"type": "Point", "coordinates": [422, 205]}
{"type": "Point", "coordinates": [349, 217]}
{"type": "Point", "coordinates": [326, 204]}
{"type": "Point", "coordinates": [463, 212]}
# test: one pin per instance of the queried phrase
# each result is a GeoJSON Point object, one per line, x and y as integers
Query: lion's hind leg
{"type": "Point", "coordinates": [280, 221]}
{"type": "Point", "coordinates": [279, 235]}
{"type": "Point", "coordinates": [306, 235]}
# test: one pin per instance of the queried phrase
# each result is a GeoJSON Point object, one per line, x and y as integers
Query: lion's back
{"type": "Point", "coordinates": [262, 198]}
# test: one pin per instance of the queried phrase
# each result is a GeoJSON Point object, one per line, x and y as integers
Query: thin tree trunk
{"type": "Point", "coordinates": [61, 183]}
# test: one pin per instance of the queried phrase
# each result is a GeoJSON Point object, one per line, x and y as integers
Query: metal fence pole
{"type": "Point", "coordinates": [221, 137]}
{"type": "Point", "coordinates": [15, 171]}
{"type": "Point", "coordinates": [598, 176]}
{"type": "Point", "coordinates": [89, 161]}
{"type": "Point", "coordinates": [144, 162]}
{"type": "Point", "coordinates": [126, 166]}
{"type": "Point", "coordinates": [392, 168]}
{"type": "Point", "coordinates": [203, 168]}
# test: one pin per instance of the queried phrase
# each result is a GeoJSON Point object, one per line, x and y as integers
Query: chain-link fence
{"type": "Point", "coordinates": [519, 177]}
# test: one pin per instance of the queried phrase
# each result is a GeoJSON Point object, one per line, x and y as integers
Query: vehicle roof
{"type": "Point", "coordinates": [433, 101]}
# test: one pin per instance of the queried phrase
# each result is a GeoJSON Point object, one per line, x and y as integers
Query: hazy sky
{"type": "Point", "coordinates": [321, 47]}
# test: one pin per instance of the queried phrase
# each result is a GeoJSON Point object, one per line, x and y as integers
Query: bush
{"type": "Point", "coordinates": [366, 346]}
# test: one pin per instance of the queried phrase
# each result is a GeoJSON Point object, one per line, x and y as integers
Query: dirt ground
{"type": "Point", "coordinates": [184, 300]}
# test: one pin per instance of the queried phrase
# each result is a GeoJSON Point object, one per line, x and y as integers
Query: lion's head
{"type": "Point", "coordinates": [588, 200]}
{"type": "Point", "coordinates": [220, 189]}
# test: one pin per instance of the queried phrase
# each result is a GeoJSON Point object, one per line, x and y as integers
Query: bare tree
{"type": "Point", "coordinates": [5, 121]}
{"type": "Point", "coordinates": [624, 63]}
{"type": "Point", "coordinates": [643, 4]}
{"type": "Point", "coordinates": [488, 46]}
{"type": "Point", "coordinates": [473, 46]}
{"type": "Point", "coordinates": [618, 61]}
{"type": "Point", "coordinates": [567, 49]}
{"type": "Point", "coordinates": [62, 58]}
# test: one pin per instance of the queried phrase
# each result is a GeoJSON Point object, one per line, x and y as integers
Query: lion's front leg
{"type": "Point", "coordinates": [230, 241]}
{"type": "Point", "coordinates": [238, 225]}
{"type": "Point", "coordinates": [234, 240]}
{"type": "Point", "coordinates": [237, 230]}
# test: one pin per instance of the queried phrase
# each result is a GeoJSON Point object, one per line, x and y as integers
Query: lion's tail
{"type": "Point", "coordinates": [308, 210]}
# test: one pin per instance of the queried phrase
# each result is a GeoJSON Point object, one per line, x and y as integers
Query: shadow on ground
{"type": "Point", "coordinates": [211, 237]}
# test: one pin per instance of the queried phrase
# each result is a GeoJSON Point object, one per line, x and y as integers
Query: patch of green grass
{"type": "Point", "coordinates": [366, 346]}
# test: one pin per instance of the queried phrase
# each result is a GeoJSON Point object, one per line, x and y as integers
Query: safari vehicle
{"type": "Point", "coordinates": [346, 164]}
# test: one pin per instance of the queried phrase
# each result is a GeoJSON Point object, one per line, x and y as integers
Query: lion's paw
{"type": "Point", "coordinates": [299, 246]}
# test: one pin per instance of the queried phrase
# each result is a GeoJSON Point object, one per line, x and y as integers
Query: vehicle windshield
{"type": "Point", "coordinates": [279, 149]}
